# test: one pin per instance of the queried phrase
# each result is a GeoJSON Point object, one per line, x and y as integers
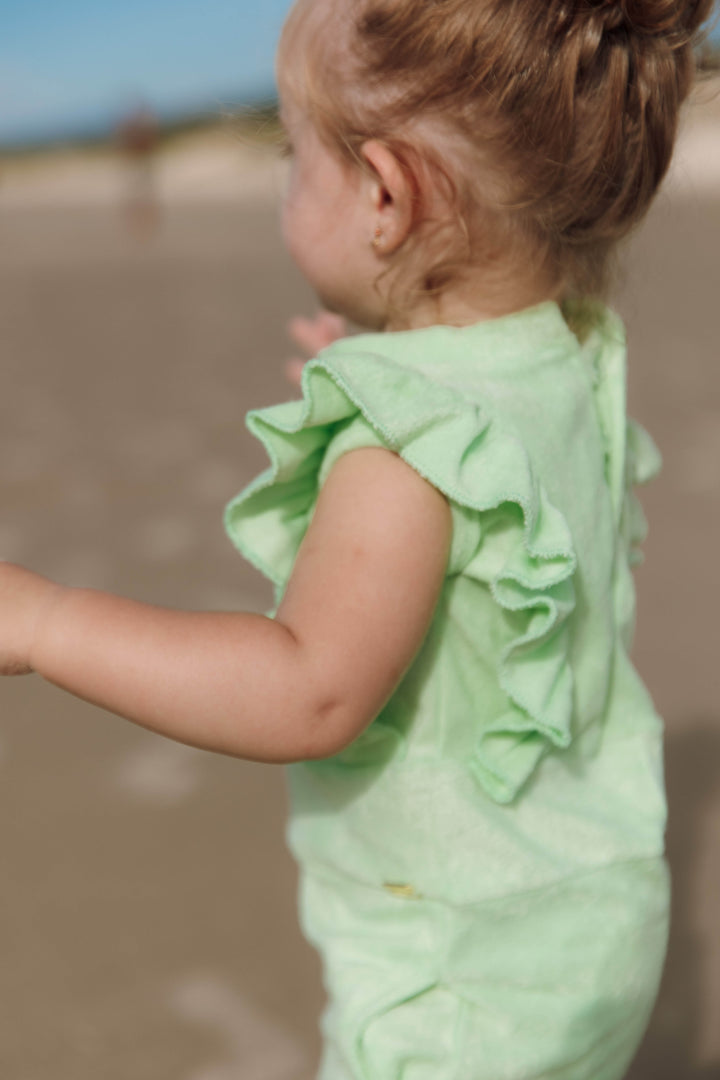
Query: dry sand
{"type": "Point", "coordinates": [148, 901]}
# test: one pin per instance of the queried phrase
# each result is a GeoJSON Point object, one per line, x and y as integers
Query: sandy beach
{"type": "Point", "coordinates": [149, 926]}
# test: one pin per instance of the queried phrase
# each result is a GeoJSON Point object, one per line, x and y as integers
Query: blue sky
{"type": "Point", "coordinates": [68, 64]}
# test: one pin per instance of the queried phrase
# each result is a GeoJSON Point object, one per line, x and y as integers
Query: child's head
{"type": "Point", "coordinates": [532, 135]}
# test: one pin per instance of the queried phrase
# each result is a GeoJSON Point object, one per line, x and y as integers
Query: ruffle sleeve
{"type": "Point", "coordinates": [643, 463]}
{"type": "Point", "coordinates": [481, 465]}
{"type": "Point", "coordinates": [632, 459]}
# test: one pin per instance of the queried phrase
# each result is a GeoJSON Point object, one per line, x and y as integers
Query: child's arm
{"type": "Point", "coordinates": [300, 686]}
{"type": "Point", "coordinates": [312, 335]}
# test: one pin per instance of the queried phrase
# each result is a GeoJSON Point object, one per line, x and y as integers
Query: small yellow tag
{"type": "Point", "coordinates": [407, 891]}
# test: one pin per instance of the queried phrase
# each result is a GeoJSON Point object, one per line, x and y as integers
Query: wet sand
{"type": "Point", "coordinates": [148, 901]}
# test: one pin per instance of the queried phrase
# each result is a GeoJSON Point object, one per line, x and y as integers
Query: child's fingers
{"type": "Point", "coordinates": [294, 370]}
{"type": "Point", "coordinates": [331, 326]}
{"type": "Point", "coordinates": [312, 335]}
{"type": "Point", "coordinates": [302, 333]}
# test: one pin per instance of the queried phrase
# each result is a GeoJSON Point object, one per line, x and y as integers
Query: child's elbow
{"type": "Point", "coordinates": [334, 725]}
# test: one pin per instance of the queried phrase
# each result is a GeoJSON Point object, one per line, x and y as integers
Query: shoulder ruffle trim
{"type": "Point", "coordinates": [478, 463]}
{"type": "Point", "coordinates": [643, 462]}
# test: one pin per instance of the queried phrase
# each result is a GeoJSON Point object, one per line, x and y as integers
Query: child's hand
{"type": "Point", "coordinates": [312, 335]}
{"type": "Point", "coordinates": [24, 599]}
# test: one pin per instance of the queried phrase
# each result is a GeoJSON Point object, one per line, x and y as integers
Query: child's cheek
{"type": "Point", "coordinates": [297, 239]}
{"type": "Point", "coordinates": [291, 219]}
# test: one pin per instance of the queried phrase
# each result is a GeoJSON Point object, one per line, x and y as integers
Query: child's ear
{"type": "Point", "coordinates": [392, 198]}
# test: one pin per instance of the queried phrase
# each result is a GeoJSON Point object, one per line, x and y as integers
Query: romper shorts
{"type": "Point", "coordinates": [552, 984]}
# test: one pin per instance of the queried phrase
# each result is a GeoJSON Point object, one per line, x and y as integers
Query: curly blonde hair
{"type": "Point", "coordinates": [548, 126]}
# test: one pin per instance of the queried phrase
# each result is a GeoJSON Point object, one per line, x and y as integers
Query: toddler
{"type": "Point", "coordinates": [475, 769]}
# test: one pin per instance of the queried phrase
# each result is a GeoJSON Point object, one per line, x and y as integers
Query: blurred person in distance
{"type": "Point", "coordinates": [138, 137]}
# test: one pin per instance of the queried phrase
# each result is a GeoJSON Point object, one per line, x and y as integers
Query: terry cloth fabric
{"type": "Point", "coordinates": [508, 802]}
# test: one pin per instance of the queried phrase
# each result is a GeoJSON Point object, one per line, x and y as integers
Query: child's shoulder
{"type": "Point", "coordinates": [491, 342]}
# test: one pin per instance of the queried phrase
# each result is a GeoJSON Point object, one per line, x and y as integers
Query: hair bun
{"type": "Point", "coordinates": [652, 18]}
{"type": "Point", "coordinates": [612, 12]}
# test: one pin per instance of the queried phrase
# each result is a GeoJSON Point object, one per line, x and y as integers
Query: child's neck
{"type": "Point", "coordinates": [469, 304]}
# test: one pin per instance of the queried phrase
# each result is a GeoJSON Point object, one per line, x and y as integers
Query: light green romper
{"type": "Point", "coordinates": [482, 869]}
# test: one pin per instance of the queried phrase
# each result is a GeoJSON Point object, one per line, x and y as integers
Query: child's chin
{"type": "Point", "coordinates": [354, 313]}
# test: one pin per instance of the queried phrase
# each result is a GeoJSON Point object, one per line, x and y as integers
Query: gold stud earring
{"type": "Point", "coordinates": [377, 236]}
